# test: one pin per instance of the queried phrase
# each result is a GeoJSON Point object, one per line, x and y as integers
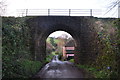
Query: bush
{"type": "Point", "coordinates": [20, 68]}
{"type": "Point", "coordinates": [98, 73]}
{"type": "Point", "coordinates": [28, 68]}
{"type": "Point", "coordinates": [49, 57]}
{"type": "Point", "coordinates": [71, 60]}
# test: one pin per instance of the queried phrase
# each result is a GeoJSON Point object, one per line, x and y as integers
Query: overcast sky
{"type": "Point", "coordinates": [14, 5]}
{"type": "Point", "coordinates": [59, 33]}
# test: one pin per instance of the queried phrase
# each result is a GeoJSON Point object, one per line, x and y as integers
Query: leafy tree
{"type": "Point", "coordinates": [53, 42]}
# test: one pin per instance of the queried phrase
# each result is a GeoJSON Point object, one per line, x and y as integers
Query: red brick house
{"type": "Point", "coordinates": [68, 50]}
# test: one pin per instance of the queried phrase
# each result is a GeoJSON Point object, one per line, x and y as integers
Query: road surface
{"type": "Point", "coordinates": [59, 69]}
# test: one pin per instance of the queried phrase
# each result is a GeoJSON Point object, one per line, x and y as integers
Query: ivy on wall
{"type": "Point", "coordinates": [16, 56]}
{"type": "Point", "coordinates": [108, 42]}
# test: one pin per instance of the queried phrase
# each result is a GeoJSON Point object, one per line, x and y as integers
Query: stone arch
{"type": "Point", "coordinates": [78, 27]}
{"type": "Point", "coordinates": [52, 29]}
{"type": "Point", "coordinates": [61, 27]}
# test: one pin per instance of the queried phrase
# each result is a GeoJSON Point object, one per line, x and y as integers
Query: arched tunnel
{"type": "Point", "coordinates": [78, 27]}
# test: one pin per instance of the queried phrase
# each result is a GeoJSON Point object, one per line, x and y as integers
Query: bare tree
{"type": "Point", "coordinates": [2, 7]}
{"type": "Point", "coordinates": [113, 5]}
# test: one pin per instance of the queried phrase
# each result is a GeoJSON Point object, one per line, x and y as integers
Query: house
{"type": "Point", "coordinates": [68, 50]}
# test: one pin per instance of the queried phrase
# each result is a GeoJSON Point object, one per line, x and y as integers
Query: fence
{"type": "Point", "coordinates": [59, 12]}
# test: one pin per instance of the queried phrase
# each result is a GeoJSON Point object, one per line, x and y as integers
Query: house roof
{"type": "Point", "coordinates": [71, 43]}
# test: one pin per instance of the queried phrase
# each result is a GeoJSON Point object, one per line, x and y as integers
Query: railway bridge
{"type": "Point", "coordinates": [80, 28]}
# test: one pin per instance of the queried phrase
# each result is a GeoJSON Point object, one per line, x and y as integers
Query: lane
{"type": "Point", "coordinates": [59, 69]}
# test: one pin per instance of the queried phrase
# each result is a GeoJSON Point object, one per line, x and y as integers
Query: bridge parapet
{"type": "Point", "coordinates": [59, 12]}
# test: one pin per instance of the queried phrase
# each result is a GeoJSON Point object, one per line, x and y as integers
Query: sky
{"type": "Point", "coordinates": [58, 34]}
{"type": "Point", "coordinates": [14, 5]}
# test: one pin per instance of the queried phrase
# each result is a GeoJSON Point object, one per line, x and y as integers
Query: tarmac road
{"type": "Point", "coordinates": [59, 69]}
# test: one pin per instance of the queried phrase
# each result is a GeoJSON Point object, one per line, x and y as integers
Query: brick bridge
{"type": "Point", "coordinates": [81, 29]}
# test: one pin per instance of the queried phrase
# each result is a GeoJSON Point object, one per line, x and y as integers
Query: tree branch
{"type": "Point", "coordinates": [113, 6]}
